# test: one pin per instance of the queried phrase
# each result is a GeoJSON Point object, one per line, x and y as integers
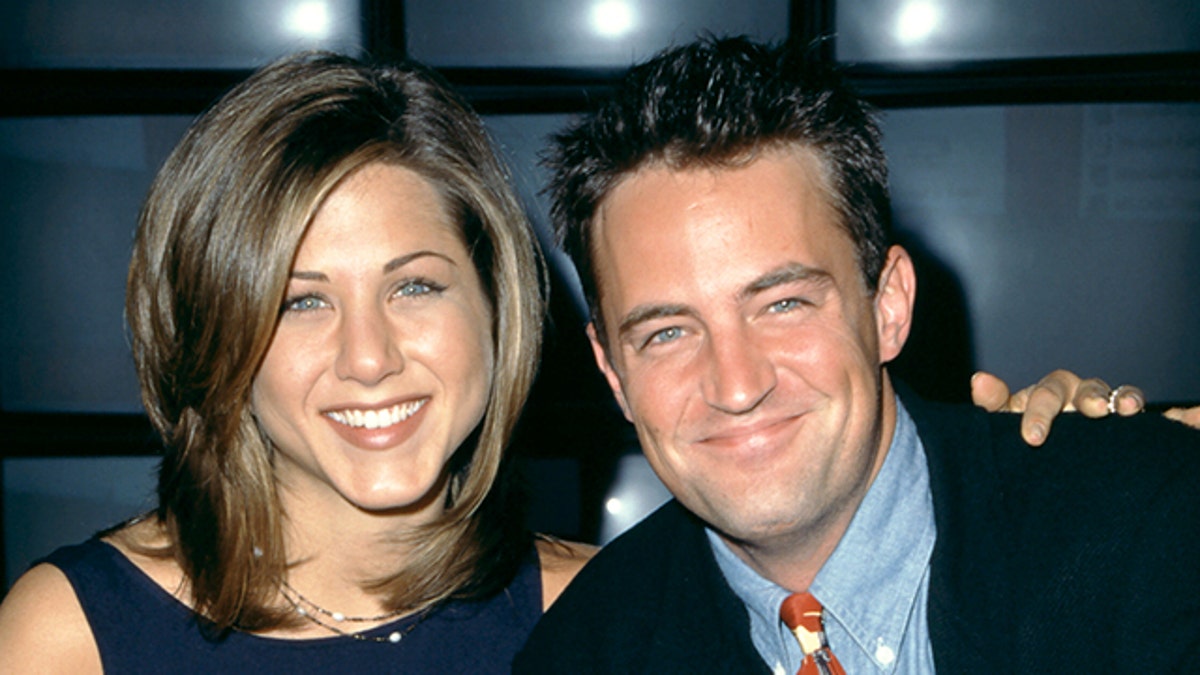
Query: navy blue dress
{"type": "Point", "coordinates": [140, 628]}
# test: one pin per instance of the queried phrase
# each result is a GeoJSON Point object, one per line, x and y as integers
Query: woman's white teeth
{"type": "Point", "coordinates": [377, 419]}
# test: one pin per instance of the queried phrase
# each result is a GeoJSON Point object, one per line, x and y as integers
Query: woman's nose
{"type": "Point", "coordinates": [368, 351]}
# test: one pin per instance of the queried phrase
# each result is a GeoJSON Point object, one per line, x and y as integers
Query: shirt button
{"type": "Point", "coordinates": [885, 655]}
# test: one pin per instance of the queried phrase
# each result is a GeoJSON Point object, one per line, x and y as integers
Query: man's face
{"type": "Point", "coordinates": [744, 345]}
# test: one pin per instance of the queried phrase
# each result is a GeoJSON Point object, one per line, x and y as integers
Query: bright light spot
{"type": "Point", "coordinates": [917, 22]}
{"type": "Point", "coordinates": [614, 506]}
{"type": "Point", "coordinates": [612, 18]}
{"type": "Point", "coordinates": [309, 19]}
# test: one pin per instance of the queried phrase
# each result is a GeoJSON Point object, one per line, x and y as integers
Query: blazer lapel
{"type": "Point", "coordinates": [711, 629]}
{"type": "Point", "coordinates": [970, 604]}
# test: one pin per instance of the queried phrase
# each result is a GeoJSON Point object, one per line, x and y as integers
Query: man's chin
{"type": "Point", "coordinates": [752, 529]}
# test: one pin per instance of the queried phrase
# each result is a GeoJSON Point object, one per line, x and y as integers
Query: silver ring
{"type": "Point", "coordinates": [1112, 399]}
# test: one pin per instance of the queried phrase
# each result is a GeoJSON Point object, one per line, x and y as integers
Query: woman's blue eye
{"type": "Point", "coordinates": [303, 304]}
{"type": "Point", "coordinates": [417, 287]}
{"type": "Point", "coordinates": [414, 288]}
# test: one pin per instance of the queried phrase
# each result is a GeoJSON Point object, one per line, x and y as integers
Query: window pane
{"type": "Point", "coordinates": [74, 187]}
{"type": "Point", "coordinates": [521, 138]}
{"type": "Point", "coordinates": [156, 34]}
{"type": "Point", "coordinates": [1069, 233]}
{"type": "Point", "coordinates": [575, 33]}
{"type": "Point", "coordinates": [909, 30]}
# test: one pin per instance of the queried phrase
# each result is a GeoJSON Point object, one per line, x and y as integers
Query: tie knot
{"type": "Point", "coordinates": [801, 610]}
{"type": "Point", "coordinates": [802, 614]}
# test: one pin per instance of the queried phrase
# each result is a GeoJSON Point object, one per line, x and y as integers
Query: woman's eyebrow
{"type": "Point", "coordinates": [389, 267]}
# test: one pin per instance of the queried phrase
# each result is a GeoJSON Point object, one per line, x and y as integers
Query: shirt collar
{"type": "Point", "coordinates": [871, 581]}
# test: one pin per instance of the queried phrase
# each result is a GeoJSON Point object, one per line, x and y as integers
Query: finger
{"type": "Point", "coordinates": [1129, 400]}
{"type": "Point", "coordinates": [1046, 400]}
{"type": "Point", "coordinates": [1019, 401]}
{"type": "Point", "coordinates": [988, 391]}
{"type": "Point", "coordinates": [1091, 397]}
{"type": "Point", "coordinates": [1043, 405]}
{"type": "Point", "coordinates": [1189, 416]}
{"type": "Point", "coordinates": [1056, 392]}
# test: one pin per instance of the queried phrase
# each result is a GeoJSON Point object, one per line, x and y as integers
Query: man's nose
{"type": "Point", "coordinates": [740, 374]}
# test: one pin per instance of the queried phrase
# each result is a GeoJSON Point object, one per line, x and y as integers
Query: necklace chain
{"type": "Point", "coordinates": [336, 616]}
{"type": "Point", "coordinates": [302, 604]}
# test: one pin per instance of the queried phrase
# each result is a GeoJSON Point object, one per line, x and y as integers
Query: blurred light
{"type": "Point", "coordinates": [612, 18]}
{"type": "Point", "coordinates": [309, 19]}
{"type": "Point", "coordinates": [614, 506]}
{"type": "Point", "coordinates": [917, 22]}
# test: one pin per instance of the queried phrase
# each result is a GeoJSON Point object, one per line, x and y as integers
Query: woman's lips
{"type": "Point", "coordinates": [378, 428]}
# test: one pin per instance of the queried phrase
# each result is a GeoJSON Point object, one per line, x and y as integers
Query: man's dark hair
{"type": "Point", "coordinates": [721, 102]}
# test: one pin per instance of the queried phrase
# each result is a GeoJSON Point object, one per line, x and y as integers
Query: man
{"type": "Point", "coordinates": [727, 213]}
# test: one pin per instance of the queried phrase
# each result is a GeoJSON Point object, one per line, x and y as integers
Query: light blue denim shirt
{"type": "Point", "coordinates": [875, 585]}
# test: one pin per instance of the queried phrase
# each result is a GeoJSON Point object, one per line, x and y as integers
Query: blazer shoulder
{"type": "Point", "coordinates": [601, 622]}
{"type": "Point", "coordinates": [635, 561]}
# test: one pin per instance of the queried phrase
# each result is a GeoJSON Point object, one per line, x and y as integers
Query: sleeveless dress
{"type": "Point", "coordinates": [140, 628]}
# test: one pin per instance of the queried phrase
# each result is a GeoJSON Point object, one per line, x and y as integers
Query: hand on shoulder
{"type": "Point", "coordinates": [1058, 392]}
{"type": "Point", "coordinates": [43, 628]}
{"type": "Point", "coordinates": [560, 561]}
{"type": "Point", "coordinates": [1189, 416]}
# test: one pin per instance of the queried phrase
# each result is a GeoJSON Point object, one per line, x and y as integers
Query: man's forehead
{"type": "Point", "coordinates": [816, 174]}
{"type": "Point", "coordinates": [659, 192]}
{"type": "Point", "coordinates": [756, 216]}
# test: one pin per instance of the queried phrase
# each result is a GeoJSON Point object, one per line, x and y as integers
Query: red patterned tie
{"type": "Point", "coordinates": [802, 613]}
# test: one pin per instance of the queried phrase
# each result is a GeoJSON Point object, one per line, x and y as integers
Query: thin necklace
{"type": "Point", "coordinates": [302, 606]}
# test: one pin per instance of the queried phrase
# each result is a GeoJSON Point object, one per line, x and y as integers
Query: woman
{"type": "Point", "coordinates": [335, 315]}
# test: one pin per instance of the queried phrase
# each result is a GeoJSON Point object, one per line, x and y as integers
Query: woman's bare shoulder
{"type": "Point", "coordinates": [43, 628]}
{"type": "Point", "coordinates": [561, 561]}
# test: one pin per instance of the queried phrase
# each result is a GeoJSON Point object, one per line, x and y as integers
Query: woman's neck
{"type": "Point", "coordinates": [335, 549]}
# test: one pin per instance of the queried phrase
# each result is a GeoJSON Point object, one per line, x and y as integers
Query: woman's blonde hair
{"type": "Point", "coordinates": [215, 243]}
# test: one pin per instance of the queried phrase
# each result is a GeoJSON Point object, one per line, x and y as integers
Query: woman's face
{"type": "Point", "coordinates": [381, 363]}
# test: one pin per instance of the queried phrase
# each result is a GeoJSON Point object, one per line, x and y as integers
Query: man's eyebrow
{"type": "Point", "coordinates": [787, 274]}
{"type": "Point", "coordinates": [389, 267]}
{"type": "Point", "coordinates": [644, 313]}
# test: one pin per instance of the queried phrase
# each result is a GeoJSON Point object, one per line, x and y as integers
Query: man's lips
{"type": "Point", "coordinates": [753, 433]}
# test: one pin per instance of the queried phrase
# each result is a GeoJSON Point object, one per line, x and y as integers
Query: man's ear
{"type": "Point", "coordinates": [605, 366]}
{"type": "Point", "coordinates": [894, 302]}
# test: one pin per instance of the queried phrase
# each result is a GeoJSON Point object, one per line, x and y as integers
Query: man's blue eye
{"type": "Point", "coordinates": [665, 335]}
{"type": "Point", "coordinates": [784, 305]}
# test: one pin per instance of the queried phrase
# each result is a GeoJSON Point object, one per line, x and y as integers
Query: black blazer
{"type": "Point", "coordinates": [1079, 556]}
